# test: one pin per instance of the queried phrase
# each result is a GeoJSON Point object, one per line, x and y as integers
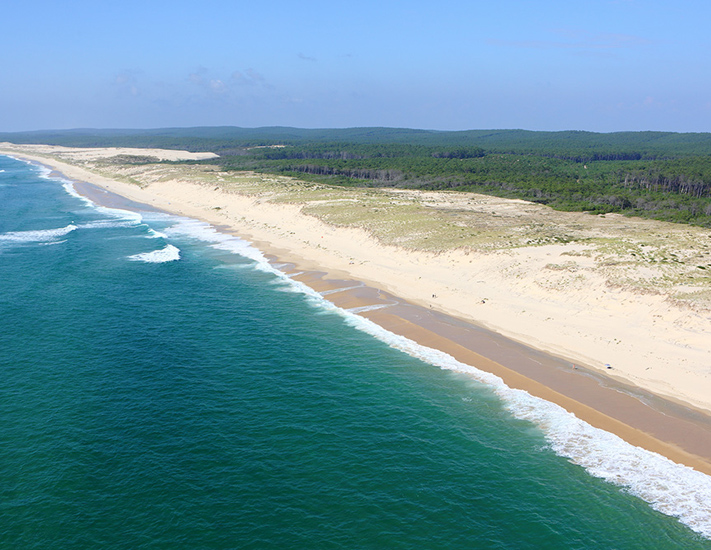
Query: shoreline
{"type": "Point", "coordinates": [676, 431]}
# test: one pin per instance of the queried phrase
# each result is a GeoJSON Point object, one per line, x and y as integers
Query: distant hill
{"type": "Point", "coordinates": [566, 144]}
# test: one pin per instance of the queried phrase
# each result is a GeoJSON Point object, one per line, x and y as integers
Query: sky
{"type": "Point", "coordinates": [596, 65]}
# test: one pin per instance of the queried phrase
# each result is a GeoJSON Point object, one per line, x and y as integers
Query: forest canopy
{"type": "Point", "coordinates": [661, 175]}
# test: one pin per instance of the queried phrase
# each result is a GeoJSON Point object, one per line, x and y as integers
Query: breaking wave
{"type": "Point", "coordinates": [168, 254]}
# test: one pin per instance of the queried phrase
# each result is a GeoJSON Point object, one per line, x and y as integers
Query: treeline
{"type": "Point", "coordinates": [660, 175]}
{"type": "Point", "coordinates": [382, 176]}
{"type": "Point", "coordinates": [570, 145]}
{"type": "Point", "coordinates": [351, 151]}
{"type": "Point", "coordinates": [676, 190]}
{"type": "Point", "coordinates": [652, 180]}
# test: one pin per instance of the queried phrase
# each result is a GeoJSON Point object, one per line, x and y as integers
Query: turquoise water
{"type": "Point", "coordinates": [162, 387]}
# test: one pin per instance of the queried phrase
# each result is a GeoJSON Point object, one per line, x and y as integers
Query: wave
{"type": "Point", "coordinates": [128, 215]}
{"type": "Point", "coordinates": [118, 217]}
{"type": "Point", "coordinates": [39, 235]}
{"type": "Point", "coordinates": [153, 234]}
{"type": "Point", "coordinates": [203, 231]}
{"type": "Point", "coordinates": [168, 254]}
{"type": "Point", "coordinates": [44, 171]}
{"type": "Point", "coordinates": [670, 488]}
{"type": "Point", "coordinates": [53, 243]}
{"type": "Point", "coordinates": [69, 188]}
{"type": "Point", "coordinates": [337, 290]}
{"type": "Point", "coordinates": [108, 224]}
{"type": "Point", "coordinates": [363, 309]}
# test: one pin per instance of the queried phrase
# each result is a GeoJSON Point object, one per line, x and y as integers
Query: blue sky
{"type": "Point", "coordinates": [599, 65]}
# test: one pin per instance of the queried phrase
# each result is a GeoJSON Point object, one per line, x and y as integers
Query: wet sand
{"type": "Point", "coordinates": [639, 417]}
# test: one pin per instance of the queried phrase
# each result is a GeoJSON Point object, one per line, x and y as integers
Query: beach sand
{"type": "Point", "coordinates": [620, 306]}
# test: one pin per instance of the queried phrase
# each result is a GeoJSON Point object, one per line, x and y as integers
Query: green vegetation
{"type": "Point", "coordinates": [658, 175]}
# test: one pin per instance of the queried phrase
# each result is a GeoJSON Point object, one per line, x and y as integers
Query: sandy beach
{"type": "Point", "coordinates": [621, 306]}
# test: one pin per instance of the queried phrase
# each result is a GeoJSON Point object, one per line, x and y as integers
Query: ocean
{"type": "Point", "coordinates": [163, 386]}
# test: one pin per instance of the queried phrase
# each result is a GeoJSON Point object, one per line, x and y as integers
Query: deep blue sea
{"type": "Point", "coordinates": [162, 386]}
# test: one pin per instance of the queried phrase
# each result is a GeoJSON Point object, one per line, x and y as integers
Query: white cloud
{"type": "Point", "coordinates": [127, 82]}
{"type": "Point", "coordinates": [249, 77]}
{"type": "Point", "coordinates": [216, 85]}
{"type": "Point", "coordinates": [198, 76]}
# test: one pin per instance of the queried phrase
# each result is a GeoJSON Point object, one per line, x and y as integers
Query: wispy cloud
{"type": "Point", "coordinates": [127, 82]}
{"type": "Point", "coordinates": [305, 57]}
{"type": "Point", "coordinates": [250, 77]}
{"type": "Point", "coordinates": [217, 84]}
{"type": "Point", "coordinates": [198, 77]}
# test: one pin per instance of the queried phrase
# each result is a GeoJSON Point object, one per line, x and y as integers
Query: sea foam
{"type": "Point", "coordinates": [153, 234]}
{"type": "Point", "coordinates": [203, 231]}
{"type": "Point", "coordinates": [110, 223]}
{"type": "Point", "coordinates": [128, 216]}
{"type": "Point", "coordinates": [37, 236]}
{"type": "Point", "coordinates": [337, 290]}
{"type": "Point", "coordinates": [670, 488]}
{"type": "Point", "coordinates": [168, 254]}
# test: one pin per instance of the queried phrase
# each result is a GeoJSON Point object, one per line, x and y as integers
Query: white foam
{"type": "Point", "coordinates": [107, 224]}
{"type": "Point", "coordinates": [153, 234]}
{"type": "Point", "coordinates": [69, 188]}
{"type": "Point", "coordinates": [363, 309]}
{"type": "Point", "coordinates": [337, 290]}
{"type": "Point", "coordinates": [44, 171]}
{"type": "Point", "coordinates": [203, 231]}
{"type": "Point", "coordinates": [168, 254]}
{"type": "Point", "coordinates": [40, 235]}
{"type": "Point", "coordinates": [129, 216]}
{"type": "Point", "coordinates": [22, 160]}
{"type": "Point", "coordinates": [670, 488]}
{"type": "Point", "coordinates": [118, 217]}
